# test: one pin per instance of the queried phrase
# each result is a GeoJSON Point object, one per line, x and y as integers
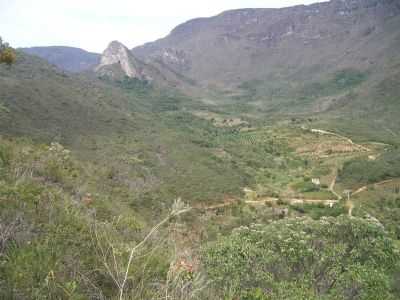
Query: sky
{"type": "Point", "coordinates": [92, 24]}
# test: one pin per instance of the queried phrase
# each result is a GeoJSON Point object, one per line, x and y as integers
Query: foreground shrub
{"type": "Point", "coordinates": [333, 258]}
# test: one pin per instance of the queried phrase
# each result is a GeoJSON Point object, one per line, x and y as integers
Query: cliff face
{"type": "Point", "coordinates": [117, 60]}
{"type": "Point", "coordinates": [253, 44]}
{"type": "Point", "coordinates": [268, 51]}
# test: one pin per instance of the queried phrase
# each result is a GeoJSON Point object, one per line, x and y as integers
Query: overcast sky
{"type": "Point", "coordinates": [92, 24]}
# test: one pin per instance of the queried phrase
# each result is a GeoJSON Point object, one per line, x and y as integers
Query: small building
{"type": "Point", "coordinates": [316, 181]}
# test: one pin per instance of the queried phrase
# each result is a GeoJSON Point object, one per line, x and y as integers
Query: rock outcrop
{"type": "Point", "coordinates": [117, 60]}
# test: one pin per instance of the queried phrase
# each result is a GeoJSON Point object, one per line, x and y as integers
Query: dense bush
{"type": "Point", "coordinates": [52, 243]}
{"type": "Point", "coordinates": [333, 258]}
{"type": "Point", "coordinates": [7, 54]}
{"type": "Point", "coordinates": [320, 210]}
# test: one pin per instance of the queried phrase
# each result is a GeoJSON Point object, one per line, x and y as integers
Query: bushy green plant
{"type": "Point", "coordinates": [332, 258]}
{"type": "Point", "coordinates": [48, 249]}
{"type": "Point", "coordinates": [56, 164]}
{"type": "Point", "coordinates": [7, 54]}
{"type": "Point", "coordinates": [320, 210]}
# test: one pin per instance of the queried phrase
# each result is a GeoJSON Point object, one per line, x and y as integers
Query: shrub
{"type": "Point", "coordinates": [7, 56]}
{"type": "Point", "coordinates": [5, 158]}
{"type": "Point", "coordinates": [333, 258]}
{"type": "Point", "coordinates": [320, 210]}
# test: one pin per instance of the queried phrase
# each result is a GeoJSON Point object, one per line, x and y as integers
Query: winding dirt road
{"type": "Point", "coordinates": [350, 141]}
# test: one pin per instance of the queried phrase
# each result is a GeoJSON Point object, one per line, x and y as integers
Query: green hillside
{"type": "Point", "coordinates": [116, 123]}
{"type": "Point", "coordinates": [252, 155]}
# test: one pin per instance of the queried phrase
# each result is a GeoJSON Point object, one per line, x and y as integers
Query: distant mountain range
{"type": "Point", "coordinates": [66, 58]}
{"type": "Point", "coordinates": [263, 44]}
{"type": "Point", "coordinates": [294, 44]}
{"type": "Point", "coordinates": [332, 56]}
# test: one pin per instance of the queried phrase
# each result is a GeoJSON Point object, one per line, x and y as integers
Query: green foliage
{"type": "Point", "coordinates": [333, 258]}
{"type": "Point", "coordinates": [361, 171]}
{"type": "Point", "coordinates": [384, 204]}
{"type": "Point", "coordinates": [306, 186]}
{"type": "Point", "coordinates": [48, 247]}
{"type": "Point", "coordinates": [338, 82]}
{"type": "Point", "coordinates": [250, 88]}
{"type": "Point", "coordinates": [57, 165]}
{"type": "Point", "coordinates": [321, 171]}
{"type": "Point", "coordinates": [5, 156]}
{"type": "Point", "coordinates": [133, 84]}
{"type": "Point", "coordinates": [317, 211]}
{"type": "Point", "coordinates": [349, 78]}
{"type": "Point", "coordinates": [7, 54]}
{"type": "Point", "coordinates": [136, 147]}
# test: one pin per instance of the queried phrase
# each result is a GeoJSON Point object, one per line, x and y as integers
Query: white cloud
{"type": "Point", "coordinates": [91, 24]}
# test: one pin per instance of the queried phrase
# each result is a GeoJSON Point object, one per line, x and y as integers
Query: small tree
{"type": "Point", "coordinates": [7, 54]}
{"type": "Point", "coordinates": [2, 44]}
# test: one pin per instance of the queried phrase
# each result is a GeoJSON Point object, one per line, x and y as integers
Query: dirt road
{"type": "Point", "coordinates": [350, 141]}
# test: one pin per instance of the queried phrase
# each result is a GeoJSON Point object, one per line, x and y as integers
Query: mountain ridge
{"type": "Point", "coordinates": [70, 59]}
{"type": "Point", "coordinates": [235, 42]}
{"type": "Point", "coordinates": [330, 57]}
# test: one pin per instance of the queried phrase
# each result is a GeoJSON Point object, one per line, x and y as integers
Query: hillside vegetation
{"type": "Point", "coordinates": [276, 176]}
{"type": "Point", "coordinates": [337, 60]}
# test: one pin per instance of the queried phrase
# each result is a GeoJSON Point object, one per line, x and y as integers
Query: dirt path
{"type": "Point", "coordinates": [327, 202]}
{"type": "Point", "coordinates": [226, 203]}
{"type": "Point", "coordinates": [332, 187]}
{"type": "Point", "coordinates": [350, 141]}
{"type": "Point", "coordinates": [350, 205]}
{"type": "Point", "coordinates": [365, 187]}
{"type": "Point", "coordinates": [379, 144]}
{"type": "Point", "coordinates": [264, 201]}
{"type": "Point", "coordinates": [391, 131]}
{"type": "Point", "coordinates": [360, 190]}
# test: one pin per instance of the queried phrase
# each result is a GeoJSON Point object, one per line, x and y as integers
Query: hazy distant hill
{"type": "Point", "coordinates": [339, 58]}
{"type": "Point", "coordinates": [108, 119]}
{"type": "Point", "coordinates": [295, 43]}
{"type": "Point", "coordinates": [66, 58]}
{"type": "Point", "coordinates": [335, 59]}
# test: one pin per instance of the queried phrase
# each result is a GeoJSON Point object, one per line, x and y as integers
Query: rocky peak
{"type": "Point", "coordinates": [118, 55]}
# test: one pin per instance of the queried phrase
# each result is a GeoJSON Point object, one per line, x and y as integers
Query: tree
{"type": "Point", "coordinates": [2, 44]}
{"type": "Point", "coordinates": [7, 54]}
{"type": "Point", "coordinates": [332, 258]}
